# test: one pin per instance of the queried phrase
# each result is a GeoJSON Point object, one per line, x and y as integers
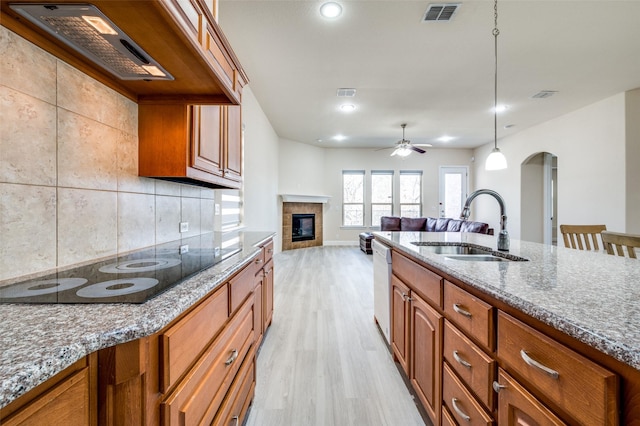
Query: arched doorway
{"type": "Point", "coordinates": [538, 200]}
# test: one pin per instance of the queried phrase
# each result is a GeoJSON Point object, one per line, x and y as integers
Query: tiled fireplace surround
{"type": "Point", "coordinates": [291, 208]}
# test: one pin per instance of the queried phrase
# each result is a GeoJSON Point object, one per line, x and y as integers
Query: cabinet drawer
{"type": "Point", "coordinates": [460, 403]}
{"type": "Point", "coordinates": [558, 373]}
{"type": "Point", "coordinates": [473, 366]}
{"type": "Point", "coordinates": [197, 398]}
{"type": "Point", "coordinates": [421, 280]}
{"type": "Point", "coordinates": [65, 404]}
{"type": "Point", "coordinates": [243, 284]}
{"type": "Point", "coordinates": [235, 407]}
{"type": "Point", "coordinates": [518, 407]}
{"type": "Point", "coordinates": [268, 251]}
{"type": "Point", "coordinates": [470, 314]}
{"type": "Point", "coordinates": [447, 418]}
{"type": "Point", "coordinates": [183, 342]}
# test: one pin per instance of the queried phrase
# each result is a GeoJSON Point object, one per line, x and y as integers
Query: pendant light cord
{"type": "Point", "coordinates": [496, 31]}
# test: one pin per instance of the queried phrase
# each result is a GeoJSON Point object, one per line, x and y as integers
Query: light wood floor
{"type": "Point", "coordinates": [323, 361]}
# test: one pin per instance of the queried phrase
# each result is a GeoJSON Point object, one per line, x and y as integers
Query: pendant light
{"type": "Point", "coordinates": [496, 160]}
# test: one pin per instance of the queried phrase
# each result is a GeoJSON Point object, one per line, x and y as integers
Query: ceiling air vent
{"type": "Point", "coordinates": [346, 93]}
{"type": "Point", "coordinates": [84, 28]}
{"type": "Point", "coordinates": [544, 94]}
{"type": "Point", "coordinates": [440, 12]}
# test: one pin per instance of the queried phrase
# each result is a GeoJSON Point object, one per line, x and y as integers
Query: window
{"type": "Point", "coordinates": [231, 211]}
{"type": "Point", "coordinates": [381, 195]}
{"type": "Point", "coordinates": [353, 198]}
{"type": "Point", "coordinates": [410, 193]}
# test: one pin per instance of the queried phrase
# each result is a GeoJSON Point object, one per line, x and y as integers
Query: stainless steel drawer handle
{"type": "Point", "coordinates": [236, 420]}
{"type": "Point", "coordinates": [233, 357]}
{"type": "Point", "coordinates": [457, 357]}
{"type": "Point", "coordinates": [258, 261]}
{"type": "Point", "coordinates": [532, 362]}
{"type": "Point", "coordinates": [454, 402]}
{"type": "Point", "coordinates": [458, 309]}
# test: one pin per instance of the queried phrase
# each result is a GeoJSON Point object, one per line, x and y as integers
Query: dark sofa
{"type": "Point", "coordinates": [432, 224]}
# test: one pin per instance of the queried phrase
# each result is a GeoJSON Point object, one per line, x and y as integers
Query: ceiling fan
{"type": "Point", "coordinates": [404, 147]}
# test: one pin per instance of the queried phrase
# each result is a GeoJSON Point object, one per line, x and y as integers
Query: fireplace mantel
{"type": "Point", "coordinates": [290, 198]}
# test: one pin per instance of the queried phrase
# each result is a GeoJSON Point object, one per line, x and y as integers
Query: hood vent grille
{"type": "Point", "coordinates": [88, 31]}
{"type": "Point", "coordinates": [440, 12]}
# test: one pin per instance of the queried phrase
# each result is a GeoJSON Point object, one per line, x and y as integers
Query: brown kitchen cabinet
{"type": "Point", "coordinates": [426, 355]}
{"type": "Point", "coordinates": [480, 375]}
{"type": "Point", "coordinates": [196, 144]}
{"type": "Point", "coordinates": [66, 399]}
{"type": "Point", "coordinates": [400, 322]}
{"type": "Point", "coordinates": [517, 407]}
{"type": "Point", "coordinates": [416, 337]}
{"type": "Point", "coordinates": [192, 369]}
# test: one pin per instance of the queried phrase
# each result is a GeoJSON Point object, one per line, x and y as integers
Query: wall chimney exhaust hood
{"type": "Point", "coordinates": [84, 28]}
{"type": "Point", "coordinates": [148, 50]}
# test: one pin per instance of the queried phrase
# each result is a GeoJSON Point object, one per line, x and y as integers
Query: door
{"type": "Point", "coordinates": [400, 322]}
{"type": "Point", "coordinates": [206, 138]}
{"type": "Point", "coordinates": [426, 355]}
{"type": "Point", "coordinates": [453, 190]}
{"type": "Point", "coordinates": [233, 166]}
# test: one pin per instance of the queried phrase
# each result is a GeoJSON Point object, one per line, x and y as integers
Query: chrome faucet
{"type": "Point", "coordinates": [503, 236]}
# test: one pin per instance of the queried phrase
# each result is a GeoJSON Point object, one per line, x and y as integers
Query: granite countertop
{"type": "Point", "coordinates": [591, 296]}
{"type": "Point", "coordinates": [40, 340]}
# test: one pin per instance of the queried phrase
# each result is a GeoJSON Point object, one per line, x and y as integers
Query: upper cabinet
{"type": "Point", "coordinates": [195, 144]}
{"type": "Point", "coordinates": [177, 38]}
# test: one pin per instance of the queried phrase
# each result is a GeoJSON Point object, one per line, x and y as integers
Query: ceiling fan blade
{"type": "Point", "coordinates": [394, 153]}
{"type": "Point", "coordinates": [416, 149]}
{"type": "Point", "coordinates": [428, 145]}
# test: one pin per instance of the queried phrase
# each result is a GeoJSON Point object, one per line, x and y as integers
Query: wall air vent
{"type": "Point", "coordinates": [346, 93]}
{"type": "Point", "coordinates": [87, 30]}
{"type": "Point", "coordinates": [544, 94]}
{"type": "Point", "coordinates": [440, 12]}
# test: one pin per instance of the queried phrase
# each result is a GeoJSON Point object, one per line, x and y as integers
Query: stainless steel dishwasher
{"type": "Point", "coordinates": [382, 287]}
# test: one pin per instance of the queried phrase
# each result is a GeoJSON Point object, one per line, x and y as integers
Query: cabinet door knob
{"type": "Point", "coordinates": [497, 387]}
{"type": "Point", "coordinates": [458, 358]}
{"type": "Point", "coordinates": [532, 362]}
{"type": "Point", "coordinates": [233, 357]}
{"type": "Point", "coordinates": [465, 416]}
{"type": "Point", "coordinates": [461, 311]}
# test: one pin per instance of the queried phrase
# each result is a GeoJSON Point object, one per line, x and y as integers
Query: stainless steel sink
{"type": "Point", "coordinates": [467, 252]}
{"type": "Point", "coordinates": [477, 258]}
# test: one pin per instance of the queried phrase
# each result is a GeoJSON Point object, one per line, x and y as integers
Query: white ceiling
{"type": "Point", "coordinates": [436, 77]}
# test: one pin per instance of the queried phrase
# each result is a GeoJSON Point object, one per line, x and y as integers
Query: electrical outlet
{"type": "Point", "coordinates": [184, 227]}
{"type": "Point", "coordinates": [184, 248]}
{"type": "Point", "coordinates": [216, 251]}
{"type": "Point", "coordinates": [217, 209]}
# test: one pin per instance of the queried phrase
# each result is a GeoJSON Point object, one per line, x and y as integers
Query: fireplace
{"type": "Point", "coordinates": [303, 227]}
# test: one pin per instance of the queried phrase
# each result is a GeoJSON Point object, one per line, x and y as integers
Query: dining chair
{"type": "Point", "coordinates": [581, 237]}
{"type": "Point", "coordinates": [619, 241]}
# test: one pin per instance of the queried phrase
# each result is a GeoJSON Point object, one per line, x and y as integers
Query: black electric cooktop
{"type": "Point", "coordinates": [133, 278]}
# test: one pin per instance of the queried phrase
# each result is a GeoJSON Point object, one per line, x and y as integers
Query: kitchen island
{"type": "Point", "coordinates": [41, 340]}
{"type": "Point", "coordinates": [584, 303]}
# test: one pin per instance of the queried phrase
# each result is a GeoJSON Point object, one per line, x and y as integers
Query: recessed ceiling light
{"type": "Point", "coordinates": [318, 140]}
{"type": "Point", "coordinates": [501, 108]}
{"type": "Point", "coordinates": [339, 138]}
{"type": "Point", "coordinates": [347, 107]}
{"type": "Point", "coordinates": [445, 138]}
{"type": "Point", "coordinates": [330, 10]}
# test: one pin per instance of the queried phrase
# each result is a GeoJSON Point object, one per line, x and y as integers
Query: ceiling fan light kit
{"type": "Point", "coordinates": [404, 147]}
{"type": "Point", "coordinates": [496, 160]}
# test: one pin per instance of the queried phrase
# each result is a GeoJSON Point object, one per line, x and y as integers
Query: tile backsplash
{"type": "Point", "coordinates": [69, 185]}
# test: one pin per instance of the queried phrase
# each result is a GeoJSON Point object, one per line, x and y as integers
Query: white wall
{"type": "Point", "coordinates": [336, 160]}
{"type": "Point", "coordinates": [633, 161]}
{"type": "Point", "coordinates": [590, 145]}
{"type": "Point", "coordinates": [301, 169]}
{"type": "Point", "coordinates": [260, 172]}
